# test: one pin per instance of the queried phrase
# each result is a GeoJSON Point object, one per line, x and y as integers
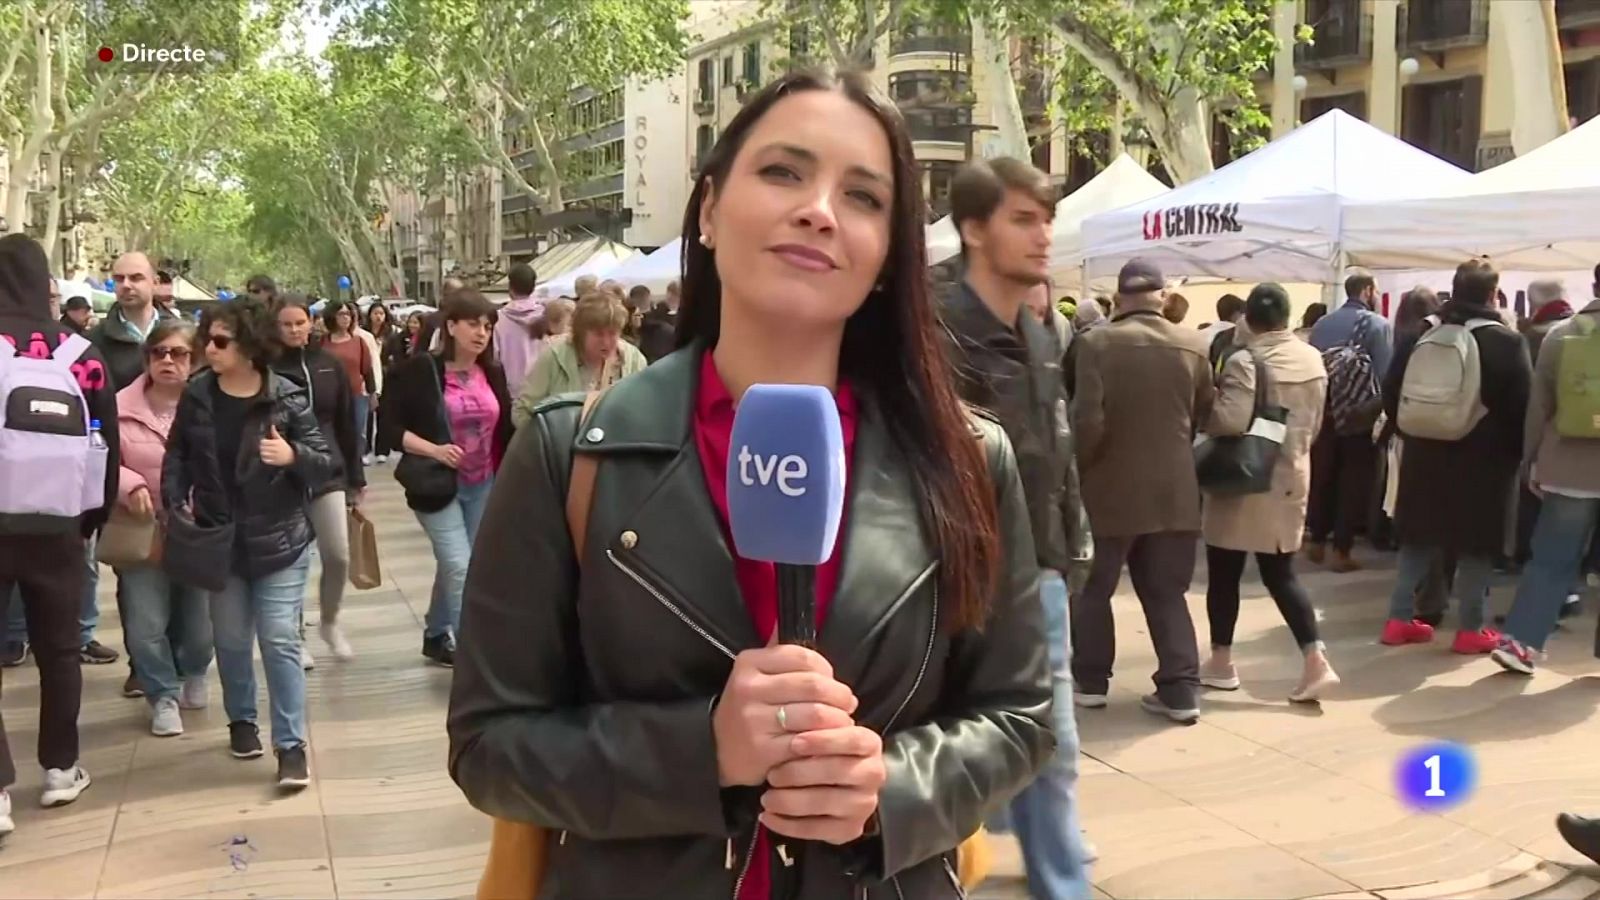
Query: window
{"type": "Point", "coordinates": [928, 87]}
{"type": "Point", "coordinates": [704, 139]}
{"type": "Point", "coordinates": [1043, 146]}
{"type": "Point", "coordinates": [1354, 103]}
{"type": "Point", "coordinates": [940, 174]}
{"type": "Point", "coordinates": [752, 62]}
{"type": "Point", "coordinates": [1086, 158]}
{"type": "Point", "coordinates": [1583, 91]}
{"type": "Point", "coordinates": [707, 79]}
{"type": "Point", "coordinates": [727, 70]}
{"type": "Point", "coordinates": [1444, 119]}
{"type": "Point", "coordinates": [799, 42]}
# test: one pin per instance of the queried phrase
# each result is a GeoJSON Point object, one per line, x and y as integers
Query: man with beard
{"type": "Point", "coordinates": [1009, 364]}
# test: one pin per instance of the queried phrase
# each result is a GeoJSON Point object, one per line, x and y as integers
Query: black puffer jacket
{"type": "Point", "coordinates": [324, 379]}
{"type": "Point", "coordinates": [584, 703]}
{"type": "Point", "coordinates": [269, 514]}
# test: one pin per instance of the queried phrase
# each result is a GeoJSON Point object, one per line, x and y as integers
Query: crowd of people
{"type": "Point", "coordinates": [616, 681]}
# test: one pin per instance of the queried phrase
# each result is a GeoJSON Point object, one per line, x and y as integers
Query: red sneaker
{"type": "Point", "coordinates": [1472, 642]}
{"type": "Point", "coordinates": [1400, 631]}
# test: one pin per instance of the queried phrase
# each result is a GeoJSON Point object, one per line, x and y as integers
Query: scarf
{"type": "Point", "coordinates": [1554, 311]}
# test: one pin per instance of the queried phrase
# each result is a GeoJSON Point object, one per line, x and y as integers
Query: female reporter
{"type": "Point", "coordinates": [632, 700]}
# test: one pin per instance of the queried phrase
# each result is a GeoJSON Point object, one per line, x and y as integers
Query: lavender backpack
{"type": "Point", "coordinates": [50, 465]}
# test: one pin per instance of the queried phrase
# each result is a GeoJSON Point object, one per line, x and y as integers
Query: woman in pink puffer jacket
{"type": "Point", "coordinates": [150, 600]}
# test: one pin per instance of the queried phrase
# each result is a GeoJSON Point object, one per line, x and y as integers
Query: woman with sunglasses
{"type": "Point", "coordinates": [245, 450]}
{"type": "Point", "coordinates": [328, 390]}
{"type": "Point", "coordinates": [633, 700]}
{"type": "Point", "coordinates": [151, 600]}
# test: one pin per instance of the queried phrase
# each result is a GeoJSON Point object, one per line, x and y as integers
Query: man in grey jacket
{"type": "Point", "coordinates": [1564, 472]}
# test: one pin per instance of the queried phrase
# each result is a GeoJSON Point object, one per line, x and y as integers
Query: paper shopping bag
{"type": "Point", "coordinates": [365, 573]}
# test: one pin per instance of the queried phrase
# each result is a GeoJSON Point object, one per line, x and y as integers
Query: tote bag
{"type": "Point", "coordinates": [1240, 464]}
{"type": "Point", "coordinates": [365, 573]}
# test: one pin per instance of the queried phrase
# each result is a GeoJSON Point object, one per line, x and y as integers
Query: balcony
{"type": "Point", "coordinates": [1577, 13]}
{"type": "Point", "coordinates": [953, 134]}
{"type": "Point", "coordinates": [931, 43]}
{"type": "Point", "coordinates": [1342, 37]}
{"type": "Point", "coordinates": [1434, 26]}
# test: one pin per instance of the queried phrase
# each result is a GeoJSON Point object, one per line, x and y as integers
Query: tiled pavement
{"type": "Point", "coordinates": [1259, 800]}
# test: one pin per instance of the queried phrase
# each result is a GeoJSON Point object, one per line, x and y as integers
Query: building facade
{"type": "Point", "coordinates": [1475, 82]}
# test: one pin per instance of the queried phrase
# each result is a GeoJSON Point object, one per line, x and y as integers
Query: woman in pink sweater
{"type": "Point", "coordinates": [151, 600]}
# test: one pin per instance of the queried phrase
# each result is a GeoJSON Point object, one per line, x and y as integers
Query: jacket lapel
{"type": "Point", "coordinates": [885, 555]}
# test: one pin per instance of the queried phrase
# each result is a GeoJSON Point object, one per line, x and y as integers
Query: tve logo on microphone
{"type": "Point", "coordinates": [786, 474]}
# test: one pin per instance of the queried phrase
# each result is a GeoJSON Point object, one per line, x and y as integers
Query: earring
{"type": "Point", "coordinates": [705, 241]}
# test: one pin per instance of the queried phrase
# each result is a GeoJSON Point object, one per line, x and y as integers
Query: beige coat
{"type": "Point", "coordinates": [1272, 522]}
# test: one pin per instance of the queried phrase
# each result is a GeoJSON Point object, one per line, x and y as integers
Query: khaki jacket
{"type": "Point", "coordinates": [1143, 388]}
{"type": "Point", "coordinates": [558, 371]}
{"type": "Point", "coordinates": [1272, 522]}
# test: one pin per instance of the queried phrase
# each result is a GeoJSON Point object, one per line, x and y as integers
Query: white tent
{"type": "Point", "coordinates": [600, 265]}
{"type": "Point", "coordinates": [1276, 213]}
{"type": "Point", "coordinates": [1121, 183]}
{"type": "Point", "coordinates": [654, 270]}
{"type": "Point", "coordinates": [1124, 182]}
{"type": "Point", "coordinates": [1536, 212]}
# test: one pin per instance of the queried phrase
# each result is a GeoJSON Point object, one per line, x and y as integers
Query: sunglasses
{"type": "Point", "coordinates": [177, 354]}
{"type": "Point", "coordinates": [220, 341]}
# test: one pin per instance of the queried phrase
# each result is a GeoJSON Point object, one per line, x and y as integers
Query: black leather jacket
{"type": "Point", "coordinates": [269, 513]}
{"type": "Point", "coordinates": [328, 390]}
{"type": "Point", "coordinates": [585, 706]}
{"type": "Point", "coordinates": [1019, 381]}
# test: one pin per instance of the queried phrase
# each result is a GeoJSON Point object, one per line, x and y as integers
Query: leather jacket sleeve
{"type": "Point", "coordinates": [176, 465]}
{"type": "Point", "coordinates": [525, 744]}
{"type": "Point", "coordinates": [995, 730]}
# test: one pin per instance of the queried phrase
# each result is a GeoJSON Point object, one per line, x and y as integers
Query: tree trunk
{"type": "Point", "coordinates": [41, 123]}
{"type": "Point", "coordinates": [52, 219]}
{"type": "Point", "coordinates": [1180, 124]}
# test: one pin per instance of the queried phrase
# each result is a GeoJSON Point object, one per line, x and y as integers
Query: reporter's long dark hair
{"type": "Point", "coordinates": [892, 353]}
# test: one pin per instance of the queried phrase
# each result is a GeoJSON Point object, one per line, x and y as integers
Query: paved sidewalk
{"type": "Point", "coordinates": [1259, 800]}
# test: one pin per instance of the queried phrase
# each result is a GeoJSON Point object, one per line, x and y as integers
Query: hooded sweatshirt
{"type": "Point", "coordinates": [27, 326]}
{"type": "Point", "coordinates": [514, 341]}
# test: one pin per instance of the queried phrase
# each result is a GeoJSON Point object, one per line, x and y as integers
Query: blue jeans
{"type": "Point", "coordinates": [1471, 586]}
{"type": "Point", "coordinates": [150, 601]}
{"type": "Point", "coordinates": [359, 407]}
{"type": "Point", "coordinates": [268, 610]}
{"type": "Point", "coordinates": [1560, 539]}
{"type": "Point", "coordinates": [451, 531]}
{"type": "Point", "coordinates": [89, 618]}
{"type": "Point", "coordinates": [1045, 814]}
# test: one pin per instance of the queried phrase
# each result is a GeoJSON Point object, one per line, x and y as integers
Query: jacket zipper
{"type": "Point", "coordinates": [749, 856]}
{"type": "Point", "coordinates": [927, 654]}
{"type": "Point", "coordinates": [662, 598]}
{"type": "Point", "coordinates": [311, 392]}
{"type": "Point", "coordinates": [955, 880]}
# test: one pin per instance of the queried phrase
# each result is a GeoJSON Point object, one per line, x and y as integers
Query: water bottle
{"type": "Point", "coordinates": [95, 440]}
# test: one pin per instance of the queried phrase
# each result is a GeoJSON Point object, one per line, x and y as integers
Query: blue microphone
{"type": "Point", "coordinates": [786, 471]}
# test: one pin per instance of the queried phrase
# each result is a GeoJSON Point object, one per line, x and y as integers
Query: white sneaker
{"type": "Point", "coordinates": [333, 636]}
{"type": "Point", "coordinates": [306, 661]}
{"type": "Point", "coordinates": [6, 825]}
{"type": "Point", "coordinates": [165, 720]}
{"type": "Point", "coordinates": [1219, 677]}
{"type": "Point", "coordinates": [366, 460]}
{"type": "Point", "coordinates": [383, 459]}
{"type": "Point", "coordinates": [62, 786]}
{"type": "Point", "coordinates": [1089, 701]}
{"type": "Point", "coordinates": [196, 694]}
{"type": "Point", "coordinates": [1154, 705]}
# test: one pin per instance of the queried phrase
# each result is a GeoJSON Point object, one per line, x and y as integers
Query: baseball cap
{"type": "Point", "coordinates": [1139, 276]}
{"type": "Point", "coordinates": [73, 303]}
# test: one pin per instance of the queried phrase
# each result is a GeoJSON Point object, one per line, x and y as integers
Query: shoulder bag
{"type": "Point", "coordinates": [1240, 464]}
{"type": "Point", "coordinates": [428, 482]}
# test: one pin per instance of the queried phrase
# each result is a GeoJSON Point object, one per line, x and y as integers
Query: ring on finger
{"type": "Point", "coordinates": [783, 717]}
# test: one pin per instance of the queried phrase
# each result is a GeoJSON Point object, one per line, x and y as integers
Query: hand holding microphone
{"type": "Point", "coordinates": [784, 719]}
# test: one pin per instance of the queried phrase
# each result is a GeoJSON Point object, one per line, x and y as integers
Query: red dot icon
{"type": "Point", "coordinates": [107, 54]}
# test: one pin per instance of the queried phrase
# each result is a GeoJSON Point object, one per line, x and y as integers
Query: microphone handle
{"type": "Point", "coordinates": [797, 605]}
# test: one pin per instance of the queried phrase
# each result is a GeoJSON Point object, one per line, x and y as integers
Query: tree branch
{"type": "Point", "coordinates": [829, 33]}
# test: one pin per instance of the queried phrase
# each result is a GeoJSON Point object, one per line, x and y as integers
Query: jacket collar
{"type": "Point", "coordinates": [885, 558]}
{"type": "Point", "coordinates": [274, 388]}
{"type": "Point", "coordinates": [133, 403]}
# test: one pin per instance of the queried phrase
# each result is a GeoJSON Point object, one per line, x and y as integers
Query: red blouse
{"type": "Point", "coordinates": [758, 582]}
